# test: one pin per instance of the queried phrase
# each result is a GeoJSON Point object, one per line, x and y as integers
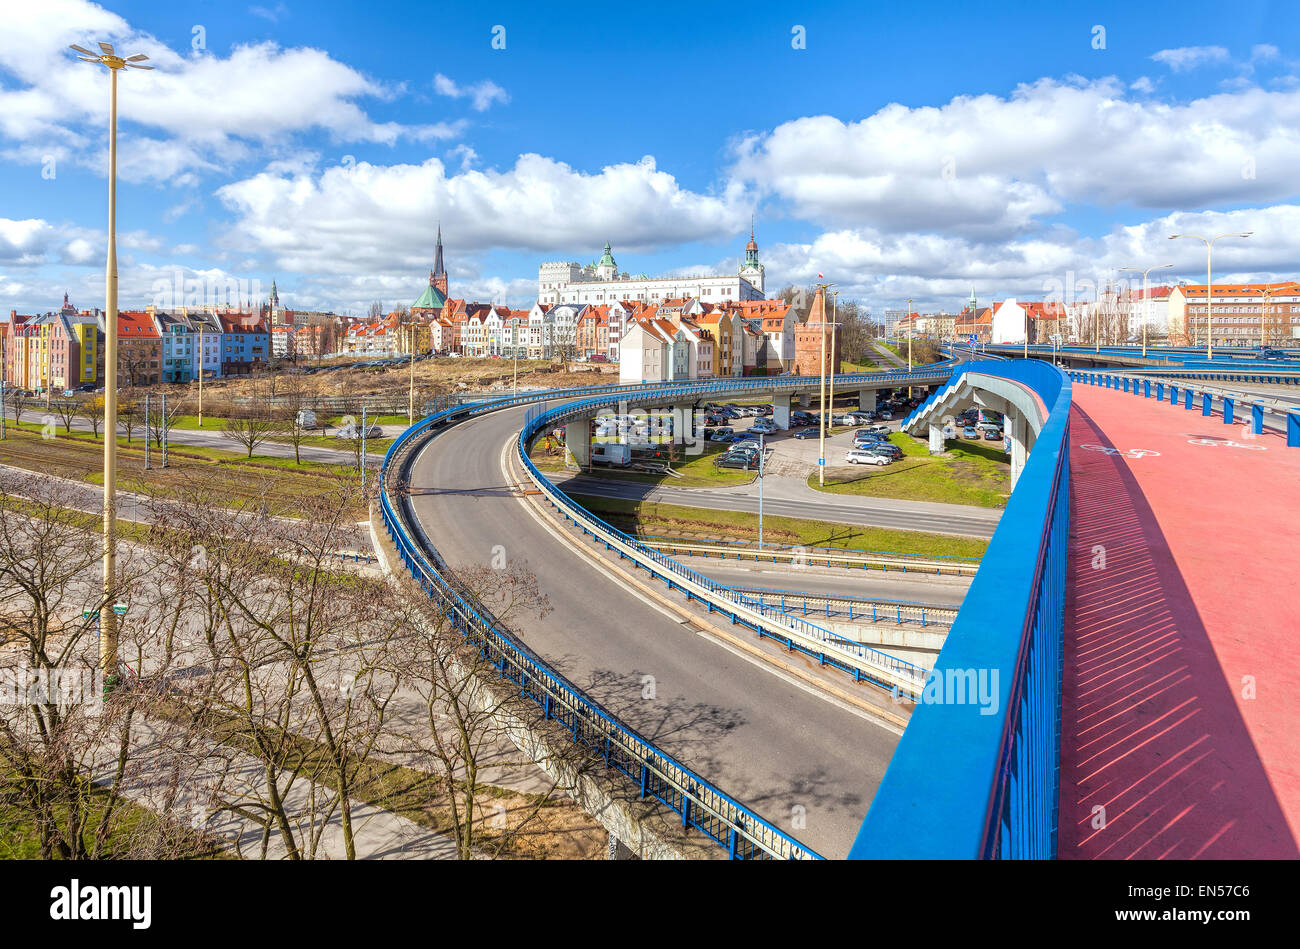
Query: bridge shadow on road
{"type": "Point", "coordinates": [1151, 732]}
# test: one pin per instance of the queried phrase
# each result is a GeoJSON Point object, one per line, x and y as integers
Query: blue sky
{"type": "Point", "coordinates": [907, 151]}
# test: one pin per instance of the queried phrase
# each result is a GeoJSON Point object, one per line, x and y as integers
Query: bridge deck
{"type": "Point", "coordinates": [1181, 693]}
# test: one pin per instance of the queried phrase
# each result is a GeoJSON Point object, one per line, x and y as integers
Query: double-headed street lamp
{"type": "Point", "coordinates": [108, 639]}
{"type": "Point", "coordinates": [1209, 284]}
{"type": "Point", "coordinates": [1145, 302]}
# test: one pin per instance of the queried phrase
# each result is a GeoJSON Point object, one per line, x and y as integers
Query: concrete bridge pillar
{"type": "Point", "coordinates": [577, 442]}
{"type": "Point", "coordinates": [781, 411]}
{"type": "Point", "coordinates": [867, 400]}
{"type": "Point", "coordinates": [1019, 446]}
{"type": "Point", "coordinates": [936, 439]}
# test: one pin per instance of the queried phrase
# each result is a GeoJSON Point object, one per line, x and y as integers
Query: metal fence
{"type": "Point", "coordinates": [974, 778]}
{"type": "Point", "coordinates": [810, 556]}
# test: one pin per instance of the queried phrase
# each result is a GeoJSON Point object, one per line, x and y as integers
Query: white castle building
{"type": "Point", "coordinates": [601, 282]}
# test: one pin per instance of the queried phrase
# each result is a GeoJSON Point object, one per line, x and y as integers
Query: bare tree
{"type": "Point", "coordinates": [376, 310]}
{"type": "Point", "coordinates": [130, 413]}
{"type": "Point", "coordinates": [456, 729]}
{"type": "Point", "coordinates": [92, 410]}
{"type": "Point", "coordinates": [67, 748]}
{"type": "Point", "coordinates": [66, 410]}
{"type": "Point", "coordinates": [252, 431]}
{"type": "Point", "coordinates": [19, 401]}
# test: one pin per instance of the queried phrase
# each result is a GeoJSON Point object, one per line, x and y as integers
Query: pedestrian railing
{"type": "Point", "coordinates": [975, 774]}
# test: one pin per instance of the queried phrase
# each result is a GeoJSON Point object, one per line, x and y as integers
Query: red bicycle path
{"type": "Point", "coordinates": [1180, 734]}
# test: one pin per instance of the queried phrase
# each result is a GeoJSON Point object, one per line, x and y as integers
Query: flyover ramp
{"type": "Point", "coordinates": [771, 743]}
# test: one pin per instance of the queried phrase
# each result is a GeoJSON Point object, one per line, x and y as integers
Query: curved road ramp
{"type": "Point", "coordinates": [807, 767]}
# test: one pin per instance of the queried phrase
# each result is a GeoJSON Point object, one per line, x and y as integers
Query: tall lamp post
{"type": "Point", "coordinates": [1209, 282]}
{"type": "Point", "coordinates": [108, 638]}
{"type": "Point", "coordinates": [1146, 303]}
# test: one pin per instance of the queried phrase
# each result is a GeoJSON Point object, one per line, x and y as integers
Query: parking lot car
{"type": "Point", "coordinates": [886, 416]}
{"type": "Point", "coordinates": [762, 427]}
{"type": "Point", "coordinates": [859, 456]}
{"type": "Point", "coordinates": [736, 460]}
{"type": "Point", "coordinates": [993, 436]}
{"type": "Point", "coordinates": [721, 435]}
{"type": "Point", "coordinates": [886, 449]}
{"type": "Point", "coordinates": [969, 432]}
{"type": "Point", "coordinates": [806, 433]}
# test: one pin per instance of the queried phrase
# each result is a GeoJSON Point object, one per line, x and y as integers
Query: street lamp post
{"type": "Point", "coordinates": [1146, 303]}
{"type": "Point", "coordinates": [108, 640]}
{"type": "Point", "coordinates": [762, 451]}
{"type": "Point", "coordinates": [1209, 282]}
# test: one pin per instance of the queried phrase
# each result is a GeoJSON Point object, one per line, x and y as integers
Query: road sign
{"type": "Point", "coordinates": [972, 339]}
{"type": "Point", "coordinates": [821, 461]}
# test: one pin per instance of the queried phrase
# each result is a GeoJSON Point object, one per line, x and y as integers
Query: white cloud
{"type": "Point", "coordinates": [1186, 58]}
{"type": "Point", "coordinates": [353, 219]}
{"type": "Point", "coordinates": [199, 110]}
{"type": "Point", "coordinates": [992, 168]}
{"type": "Point", "coordinates": [272, 14]}
{"type": "Point", "coordinates": [481, 94]}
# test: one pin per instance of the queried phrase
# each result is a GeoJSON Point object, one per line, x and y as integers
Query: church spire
{"type": "Point", "coordinates": [438, 275]}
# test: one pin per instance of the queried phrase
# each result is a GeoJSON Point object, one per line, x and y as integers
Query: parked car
{"type": "Point", "coordinates": [884, 448]}
{"type": "Point", "coordinates": [993, 436]}
{"type": "Point", "coordinates": [721, 434]}
{"type": "Point", "coordinates": [969, 432]}
{"type": "Point", "coordinates": [885, 416]}
{"type": "Point", "coordinates": [730, 460]}
{"type": "Point", "coordinates": [747, 443]}
{"type": "Point", "coordinates": [806, 433]}
{"type": "Point", "coordinates": [762, 427]}
{"type": "Point", "coordinates": [858, 456]}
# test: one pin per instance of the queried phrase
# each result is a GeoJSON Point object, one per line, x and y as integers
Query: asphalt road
{"type": "Point", "coordinates": [774, 745]}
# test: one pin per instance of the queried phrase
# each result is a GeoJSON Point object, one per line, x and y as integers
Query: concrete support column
{"type": "Point", "coordinates": [936, 439]}
{"type": "Point", "coordinates": [781, 411]}
{"type": "Point", "coordinates": [577, 442]}
{"type": "Point", "coordinates": [867, 400]}
{"type": "Point", "coordinates": [1018, 446]}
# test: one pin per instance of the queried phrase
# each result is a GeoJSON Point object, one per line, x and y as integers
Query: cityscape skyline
{"type": "Point", "coordinates": [336, 188]}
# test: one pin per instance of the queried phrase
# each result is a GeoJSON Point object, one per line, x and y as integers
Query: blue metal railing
{"type": "Point", "coordinates": [976, 778]}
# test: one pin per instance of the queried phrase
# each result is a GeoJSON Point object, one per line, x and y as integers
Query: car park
{"type": "Point", "coordinates": [858, 456]}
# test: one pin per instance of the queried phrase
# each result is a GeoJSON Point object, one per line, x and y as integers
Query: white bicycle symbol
{"type": "Point", "coordinates": [1228, 444]}
{"type": "Point", "coordinates": [1126, 452]}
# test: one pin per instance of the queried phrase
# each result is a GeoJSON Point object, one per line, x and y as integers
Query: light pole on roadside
{"type": "Point", "coordinates": [762, 452]}
{"type": "Point", "coordinates": [1209, 281]}
{"type": "Point", "coordinates": [1146, 304]}
{"type": "Point", "coordinates": [108, 639]}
